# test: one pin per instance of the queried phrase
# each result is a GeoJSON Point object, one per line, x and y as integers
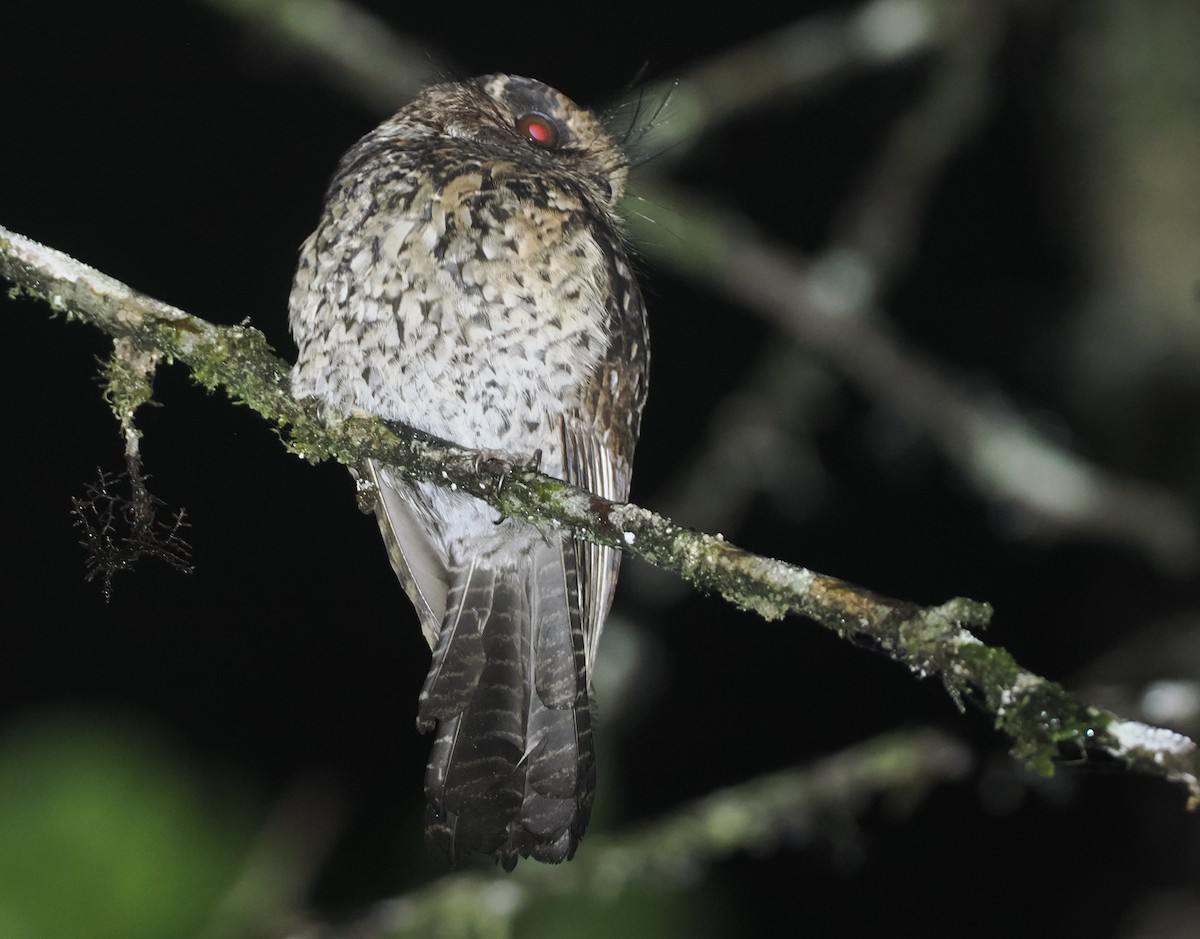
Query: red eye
{"type": "Point", "coordinates": [538, 129]}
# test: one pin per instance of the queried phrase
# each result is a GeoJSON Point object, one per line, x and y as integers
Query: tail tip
{"type": "Point", "coordinates": [452, 842]}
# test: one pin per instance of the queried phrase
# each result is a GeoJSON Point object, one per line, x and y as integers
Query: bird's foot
{"type": "Point", "coordinates": [506, 462]}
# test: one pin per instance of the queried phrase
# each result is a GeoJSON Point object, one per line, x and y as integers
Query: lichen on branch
{"type": "Point", "coordinates": [1040, 716]}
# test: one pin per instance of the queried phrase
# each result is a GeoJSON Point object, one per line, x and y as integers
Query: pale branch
{"type": "Point", "coordinates": [382, 68]}
{"type": "Point", "coordinates": [1038, 714]}
{"type": "Point", "coordinates": [827, 305]}
{"type": "Point", "coordinates": [806, 803]}
{"type": "Point", "coordinates": [355, 50]}
{"type": "Point", "coordinates": [878, 227]}
{"type": "Point", "coordinates": [795, 62]}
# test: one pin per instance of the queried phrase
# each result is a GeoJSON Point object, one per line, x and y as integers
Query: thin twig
{"type": "Point", "coordinates": [877, 229]}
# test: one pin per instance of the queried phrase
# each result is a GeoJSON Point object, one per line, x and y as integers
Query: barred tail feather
{"type": "Point", "coordinates": [458, 657]}
{"type": "Point", "coordinates": [512, 770]}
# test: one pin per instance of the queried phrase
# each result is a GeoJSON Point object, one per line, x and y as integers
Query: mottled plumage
{"type": "Point", "coordinates": [468, 278]}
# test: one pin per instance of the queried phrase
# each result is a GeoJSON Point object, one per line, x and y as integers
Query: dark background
{"type": "Point", "coordinates": [184, 154]}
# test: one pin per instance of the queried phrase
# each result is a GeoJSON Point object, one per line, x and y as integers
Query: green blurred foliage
{"type": "Point", "coordinates": [107, 832]}
{"type": "Point", "coordinates": [662, 913]}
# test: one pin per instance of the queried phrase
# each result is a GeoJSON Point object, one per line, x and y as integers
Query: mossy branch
{"type": "Point", "coordinates": [1040, 716]}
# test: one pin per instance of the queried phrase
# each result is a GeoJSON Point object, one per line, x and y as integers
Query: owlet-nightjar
{"type": "Point", "coordinates": [468, 279]}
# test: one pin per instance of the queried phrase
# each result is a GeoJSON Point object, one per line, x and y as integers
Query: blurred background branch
{"type": "Point", "coordinates": [802, 805]}
{"type": "Point", "coordinates": [354, 50]}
